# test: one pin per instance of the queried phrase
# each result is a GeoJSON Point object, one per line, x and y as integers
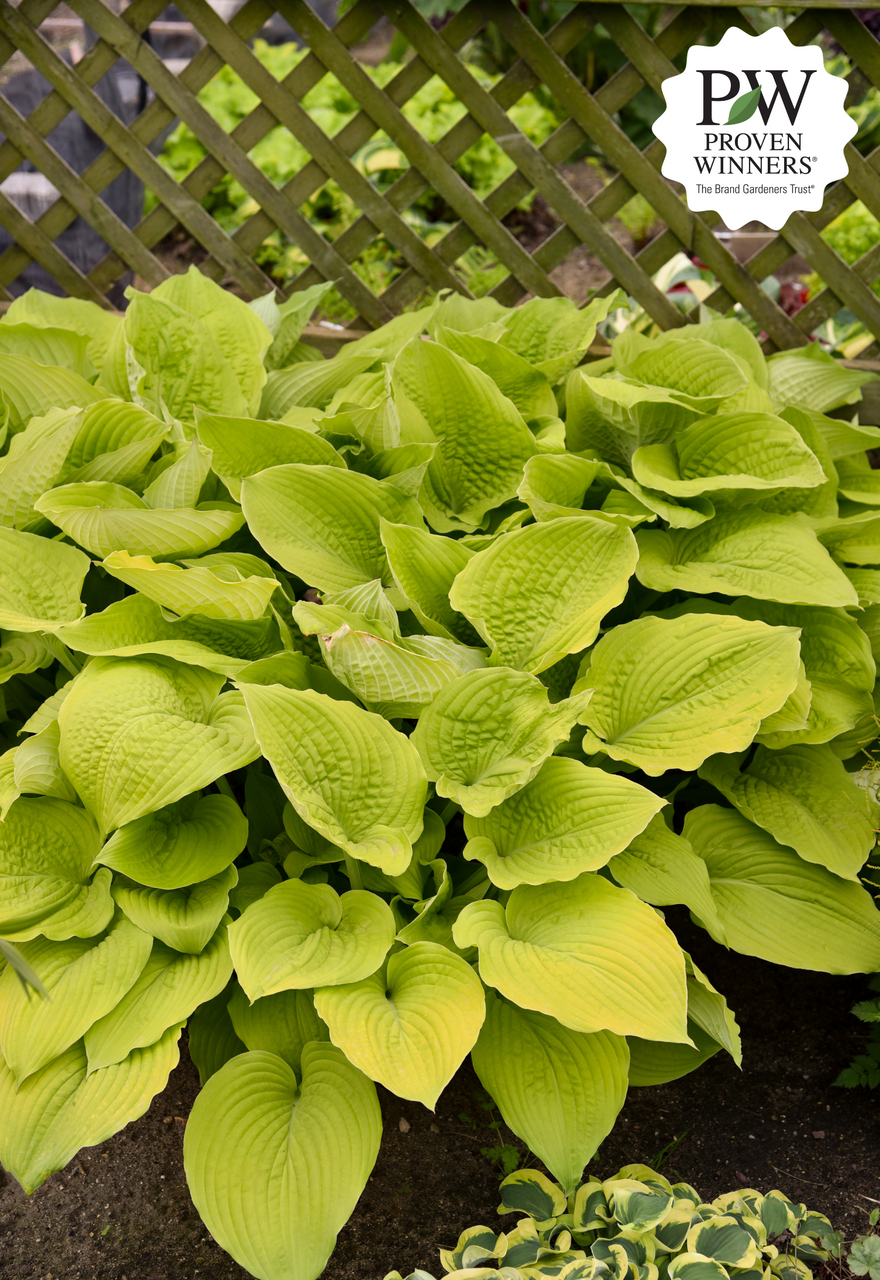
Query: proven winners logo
{"type": "Point", "coordinates": [754, 128]}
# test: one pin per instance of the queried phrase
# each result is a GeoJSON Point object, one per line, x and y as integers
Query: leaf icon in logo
{"type": "Point", "coordinates": [745, 107]}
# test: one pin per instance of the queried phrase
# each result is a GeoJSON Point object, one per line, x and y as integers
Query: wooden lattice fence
{"type": "Point", "coordinates": [540, 60]}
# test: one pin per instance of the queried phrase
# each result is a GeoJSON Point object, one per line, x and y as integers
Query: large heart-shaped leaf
{"type": "Point", "coordinates": [541, 592]}
{"type": "Point", "coordinates": [472, 471]}
{"type": "Point", "coordinates": [37, 768]}
{"type": "Point", "coordinates": [275, 1165]}
{"type": "Point", "coordinates": [31, 390]}
{"type": "Point", "coordinates": [103, 517]}
{"type": "Point", "coordinates": [84, 978]}
{"type": "Point", "coordinates": [298, 936]}
{"type": "Point", "coordinates": [63, 1108]}
{"type": "Point", "coordinates": [671, 691]}
{"type": "Point", "coordinates": [140, 733]}
{"type": "Point", "coordinates": [521, 382]}
{"type": "Point", "coordinates": [660, 867]}
{"type": "Point", "coordinates": [568, 819]}
{"type": "Point", "coordinates": [322, 523]}
{"type": "Point", "coordinates": [45, 310]}
{"type": "Point", "coordinates": [312, 382]}
{"type": "Point", "coordinates": [169, 988]}
{"type": "Point", "coordinates": [811, 377]}
{"type": "Point", "coordinates": [586, 953]}
{"type": "Point", "coordinates": [699, 372]}
{"type": "Point", "coordinates": [614, 416]}
{"type": "Point", "coordinates": [744, 552]}
{"type": "Point", "coordinates": [411, 1024]}
{"type": "Point", "coordinates": [185, 919]}
{"type": "Point", "coordinates": [40, 582]}
{"type": "Point", "coordinates": [557, 1089]}
{"type": "Point", "coordinates": [488, 732]}
{"type": "Point", "coordinates": [830, 925]}
{"type": "Point", "coordinates": [364, 790]}
{"type": "Point", "coordinates": [183, 843]}
{"type": "Point", "coordinates": [805, 798]}
{"type": "Point", "coordinates": [282, 1023]}
{"type": "Point", "coordinates": [47, 850]}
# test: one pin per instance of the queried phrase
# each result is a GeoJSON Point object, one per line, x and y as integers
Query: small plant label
{"type": "Point", "coordinates": [755, 128]}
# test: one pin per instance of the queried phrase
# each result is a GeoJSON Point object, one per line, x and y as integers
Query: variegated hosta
{"type": "Point", "coordinates": [365, 714]}
{"type": "Point", "coordinates": [637, 1226]}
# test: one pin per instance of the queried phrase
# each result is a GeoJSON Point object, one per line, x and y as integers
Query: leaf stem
{"type": "Point", "coordinates": [353, 871]}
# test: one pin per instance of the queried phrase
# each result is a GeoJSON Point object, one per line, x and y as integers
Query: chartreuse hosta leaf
{"type": "Point", "coordinates": [236, 328]}
{"type": "Point", "coordinates": [411, 1024]}
{"type": "Point", "coordinates": [243, 446]}
{"type": "Point", "coordinates": [180, 844]}
{"type": "Point", "coordinates": [40, 582]}
{"type": "Point", "coordinates": [103, 517]}
{"type": "Point", "coordinates": [699, 372]}
{"type": "Point", "coordinates": [211, 1035]}
{"type": "Point", "coordinates": [110, 428]}
{"type": "Point", "coordinates": [185, 919]}
{"type": "Point", "coordinates": [275, 1162]}
{"type": "Point", "coordinates": [393, 675]}
{"type": "Point", "coordinates": [283, 1023]}
{"type": "Point", "coordinates": [472, 471]}
{"type": "Point", "coordinates": [805, 798]}
{"type": "Point", "coordinates": [660, 867]}
{"type": "Point", "coordinates": [44, 310]}
{"type": "Point", "coordinates": [568, 819]}
{"type": "Point", "coordinates": [616, 415]}
{"type": "Point", "coordinates": [830, 924]}
{"type": "Point", "coordinates": [811, 377]}
{"type": "Point", "coordinates": [31, 390]}
{"type": "Point", "coordinates": [563, 484]}
{"type": "Point", "coordinates": [553, 333]}
{"type": "Point", "coordinates": [670, 692]}
{"type": "Point", "coordinates": [166, 359]}
{"type": "Point", "coordinates": [135, 626]}
{"type": "Point", "coordinates": [47, 850]}
{"type": "Point", "coordinates": [322, 523]}
{"type": "Point", "coordinates": [221, 592]}
{"type": "Point", "coordinates": [586, 953]}
{"type": "Point", "coordinates": [33, 463]}
{"type": "Point", "coordinates": [728, 452]}
{"type": "Point", "coordinates": [65, 1107]}
{"type": "Point", "coordinates": [521, 382]}
{"type": "Point", "coordinates": [424, 567]}
{"type": "Point", "coordinates": [299, 936]}
{"type": "Point", "coordinates": [37, 770]}
{"type": "Point", "coordinates": [140, 733]}
{"type": "Point", "coordinates": [838, 666]}
{"type": "Point", "coordinates": [22, 653]}
{"type": "Point", "coordinates": [364, 789]}
{"type": "Point", "coordinates": [312, 383]}
{"type": "Point", "coordinates": [745, 552]}
{"type": "Point", "coordinates": [84, 977]}
{"type": "Point", "coordinates": [557, 1089]}
{"type": "Point", "coordinates": [487, 733]}
{"type": "Point", "coordinates": [541, 592]}
{"type": "Point", "coordinates": [169, 987]}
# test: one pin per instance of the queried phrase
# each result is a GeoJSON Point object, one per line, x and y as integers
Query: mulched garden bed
{"type": "Point", "coordinates": [121, 1211]}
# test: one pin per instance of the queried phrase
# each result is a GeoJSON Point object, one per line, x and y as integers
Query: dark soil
{"type": "Point", "coordinates": [121, 1211]}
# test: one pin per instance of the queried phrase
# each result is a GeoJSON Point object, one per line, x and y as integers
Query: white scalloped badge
{"type": "Point", "coordinates": [755, 128]}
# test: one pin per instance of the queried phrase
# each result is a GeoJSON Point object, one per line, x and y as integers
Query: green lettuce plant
{"type": "Point", "coordinates": [363, 714]}
{"type": "Point", "coordinates": [639, 1226]}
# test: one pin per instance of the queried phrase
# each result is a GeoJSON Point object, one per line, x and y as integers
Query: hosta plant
{"type": "Point", "coordinates": [363, 714]}
{"type": "Point", "coordinates": [638, 1226]}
